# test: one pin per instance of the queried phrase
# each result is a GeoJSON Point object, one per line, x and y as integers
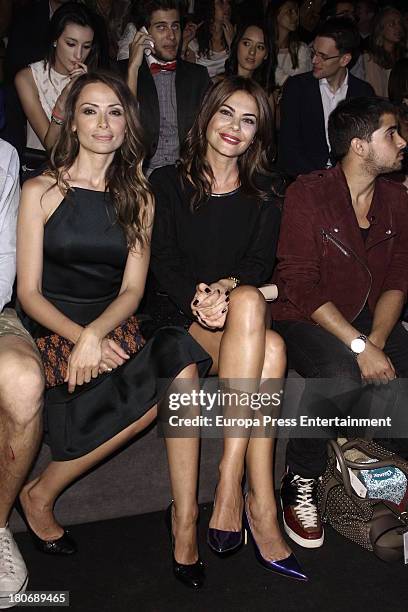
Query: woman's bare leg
{"type": "Point", "coordinates": [183, 457]}
{"type": "Point", "coordinates": [38, 496]}
{"type": "Point", "coordinates": [240, 362]}
{"type": "Point", "coordinates": [261, 502]}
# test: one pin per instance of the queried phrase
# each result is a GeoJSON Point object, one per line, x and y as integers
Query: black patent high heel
{"type": "Point", "coordinates": [191, 575]}
{"type": "Point", "coordinates": [65, 545]}
{"type": "Point", "coordinates": [224, 543]}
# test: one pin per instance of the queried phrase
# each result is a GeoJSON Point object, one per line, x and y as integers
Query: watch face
{"type": "Point", "coordinates": [358, 345]}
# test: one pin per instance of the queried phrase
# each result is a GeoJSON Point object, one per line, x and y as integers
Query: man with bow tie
{"type": "Point", "coordinates": [169, 90]}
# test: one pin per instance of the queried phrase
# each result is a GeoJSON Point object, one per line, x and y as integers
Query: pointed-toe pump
{"type": "Point", "coordinates": [65, 545]}
{"type": "Point", "coordinates": [224, 542]}
{"type": "Point", "coordinates": [288, 567]}
{"type": "Point", "coordinates": [191, 575]}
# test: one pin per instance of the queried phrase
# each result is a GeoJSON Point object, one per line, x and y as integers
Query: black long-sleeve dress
{"type": "Point", "coordinates": [231, 234]}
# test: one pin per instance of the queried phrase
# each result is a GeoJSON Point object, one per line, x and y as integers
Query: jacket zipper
{"type": "Point", "coordinates": [338, 244]}
{"type": "Point", "coordinates": [334, 241]}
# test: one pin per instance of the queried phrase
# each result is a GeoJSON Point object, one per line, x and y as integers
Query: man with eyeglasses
{"type": "Point", "coordinates": [309, 98]}
{"type": "Point", "coordinates": [169, 90]}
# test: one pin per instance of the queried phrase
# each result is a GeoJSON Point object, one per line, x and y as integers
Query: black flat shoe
{"type": "Point", "coordinates": [64, 545]}
{"type": "Point", "coordinates": [191, 575]}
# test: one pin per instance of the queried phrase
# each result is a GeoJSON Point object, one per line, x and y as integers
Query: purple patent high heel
{"type": "Point", "coordinates": [288, 567]}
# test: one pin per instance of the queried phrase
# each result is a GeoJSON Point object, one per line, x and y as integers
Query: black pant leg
{"type": "Point", "coordinates": [316, 354]}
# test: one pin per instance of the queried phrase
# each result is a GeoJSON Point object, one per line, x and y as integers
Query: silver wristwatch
{"type": "Point", "coordinates": [358, 344]}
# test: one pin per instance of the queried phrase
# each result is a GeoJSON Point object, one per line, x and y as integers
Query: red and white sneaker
{"type": "Point", "coordinates": [300, 515]}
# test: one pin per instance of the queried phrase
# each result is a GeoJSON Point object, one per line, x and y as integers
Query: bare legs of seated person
{"type": "Point", "coordinates": [38, 496]}
{"type": "Point", "coordinates": [247, 351]}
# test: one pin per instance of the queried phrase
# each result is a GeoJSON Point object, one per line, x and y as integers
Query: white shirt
{"type": "Point", "coordinates": [215, 63]}
{"type": "Point", "coordinates": [125, 40]}
{"type": "Point", "coordinates": [9, 200]}
{"type": "Point", "coordinates": [284, 68]}
{"type": "Point", "coordinates": [330, 100]}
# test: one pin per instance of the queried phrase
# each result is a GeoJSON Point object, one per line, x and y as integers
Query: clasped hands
{"type": "Point", "coordinates": [210, 304]}
{"type": "Point", "coordinates": [92, 356]}
{"type": "Point", "coordinates": [375, 366]}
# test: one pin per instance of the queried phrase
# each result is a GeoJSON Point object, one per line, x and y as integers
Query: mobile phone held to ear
{"type": "Point", "coordinates": [147, 52]}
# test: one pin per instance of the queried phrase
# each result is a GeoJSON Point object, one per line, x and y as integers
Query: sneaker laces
{"type": "Point", "coordinates": [6, 558]}
{"type": "Point", "coordinates": [306, 508]}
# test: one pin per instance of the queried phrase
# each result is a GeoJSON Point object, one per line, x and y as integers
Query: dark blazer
{"type": "Point", "coordinates": [322, 256]}
{"type": "Point", "coordinates": [302, 139]}
{"type": "Point", "coordinates": [192, 81]}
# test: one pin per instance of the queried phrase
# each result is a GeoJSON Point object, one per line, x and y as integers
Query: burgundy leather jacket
{"type": "Point", "coordinates": [321, 253]}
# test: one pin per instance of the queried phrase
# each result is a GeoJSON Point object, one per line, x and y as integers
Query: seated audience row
{"type": "Point", "coordinates": [164, 165]}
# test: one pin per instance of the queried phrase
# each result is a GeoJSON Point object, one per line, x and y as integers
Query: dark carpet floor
{"type": "Point", "coordinates": [124, 564]}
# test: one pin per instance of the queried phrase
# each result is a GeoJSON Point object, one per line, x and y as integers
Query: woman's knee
{"type": "Point", "coordinates": [275, 350]}
{"type": "Point", "coordinates": [248, 304]}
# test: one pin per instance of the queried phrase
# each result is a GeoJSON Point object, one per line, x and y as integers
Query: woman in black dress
{"type": "Point", "coordinates": [83, 254]}
{"type": "Point", "coordinates": [214, 241]}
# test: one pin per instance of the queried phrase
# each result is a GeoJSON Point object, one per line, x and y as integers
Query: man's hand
{"type": "Point", "coordinates": [140, 42]}
{"type": "Point", "coordinates": [374, 365]}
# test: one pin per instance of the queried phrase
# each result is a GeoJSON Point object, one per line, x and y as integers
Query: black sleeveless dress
{"type": "Point", "coordinates": [85, 255]}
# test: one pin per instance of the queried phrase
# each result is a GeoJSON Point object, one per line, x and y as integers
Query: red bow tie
{"type": "Point", "coordinates": [155, 67]}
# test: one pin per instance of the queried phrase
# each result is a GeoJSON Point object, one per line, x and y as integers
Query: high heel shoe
{"type": "Point", "coordinates": [64, 545]}
{"type": "Point", "coordinates": [224, 543]}
{"type": "Point", "coordinates": [191, 575]}
{"type": "Point", "coordinates": [288, 567]}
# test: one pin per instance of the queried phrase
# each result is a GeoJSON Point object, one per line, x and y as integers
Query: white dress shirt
{"type": "Point", "coordinates": [9, 200]}
{"type": "Point", "coordinates": [330, 100]}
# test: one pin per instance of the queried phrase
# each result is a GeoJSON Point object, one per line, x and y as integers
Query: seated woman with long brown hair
{"type": "Point", "coordinates": [214, 242]}
{"type": "Point", "coordinates": [83, 254]}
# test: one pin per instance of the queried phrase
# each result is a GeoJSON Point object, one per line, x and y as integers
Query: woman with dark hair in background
{"type": "Point", "coordinates": [252, 55]}
{"type": "Point", "coordinates": [214, 241]}
{"type": "Point", "coordinates": [83, 254]}
{"type": "Point", "coordinates": [293, 56]}
{"type": "Point", "coordinates": [43, 87]}
{"type": "Point", "coordinates": [214, 35]}
{"type": "Point", "coordinates": [387, 45]}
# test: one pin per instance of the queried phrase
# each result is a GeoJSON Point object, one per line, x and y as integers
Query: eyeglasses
{"type": "Point", "coordinates": [321, 56]}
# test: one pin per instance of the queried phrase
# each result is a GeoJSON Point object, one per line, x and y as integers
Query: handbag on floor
{"type": "Point", "coordinates": [375, 523]}
{"type": "Point", "coordinates": [55, 350]}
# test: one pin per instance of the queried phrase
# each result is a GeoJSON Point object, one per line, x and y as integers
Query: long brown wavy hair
{"type": "Point", "coordinates": [125, 181]}
{"type": "Point", "coordinates": [193, 165]}
{"type": "Point", "coordinates": [376, 44]}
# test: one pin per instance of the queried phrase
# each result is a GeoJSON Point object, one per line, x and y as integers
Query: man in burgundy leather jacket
{"type": "Point", "coordinates": [343, 280]}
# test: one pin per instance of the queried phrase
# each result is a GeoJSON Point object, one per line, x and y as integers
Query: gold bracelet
{"type": "Point", "coordinates": [235, 281]}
